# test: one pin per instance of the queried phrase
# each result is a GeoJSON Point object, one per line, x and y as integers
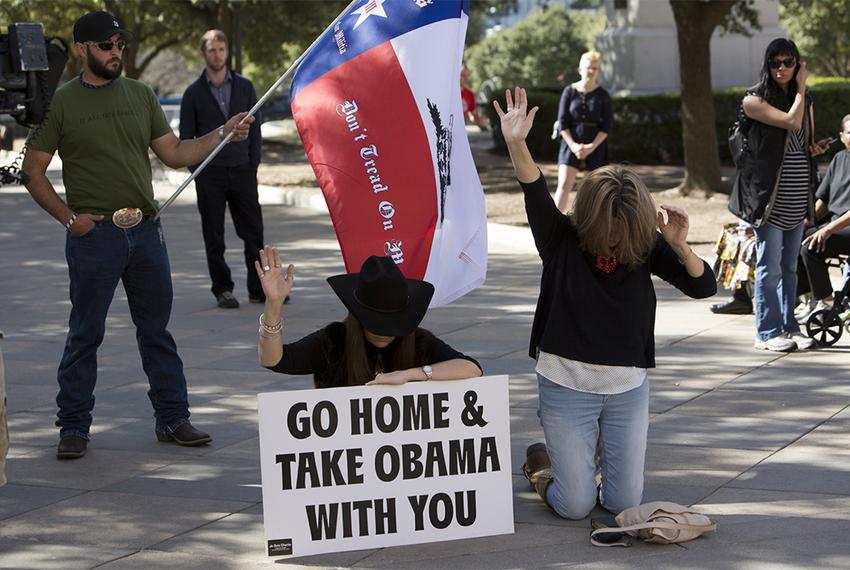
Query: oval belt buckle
{"type": "Point", "coordinates": [127, 217]}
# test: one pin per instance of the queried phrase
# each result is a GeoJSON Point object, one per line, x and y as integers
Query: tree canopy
{"type": "Point", "coordinates": [819, 28]}
{"type": "Point", "coordinates": [540, 51]}
{"type": "Point", "coordinates": [270, 31]}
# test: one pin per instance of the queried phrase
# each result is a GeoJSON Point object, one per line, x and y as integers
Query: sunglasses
{"type": "Point", "coordinates": [788, 62]}
{"type": "Point", "coordinates": [108, 45]}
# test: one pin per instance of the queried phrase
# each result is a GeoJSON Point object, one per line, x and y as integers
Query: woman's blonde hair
{"type": "Point", "coordinates": [611, 200]}
{"type": "Point", "coordinates": [592, 56]}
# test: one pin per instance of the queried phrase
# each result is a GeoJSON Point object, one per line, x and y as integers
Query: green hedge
{"type": "Point", "coordinates": [648, 129]}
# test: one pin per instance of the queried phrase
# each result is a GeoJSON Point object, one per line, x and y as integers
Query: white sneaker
{"type": "Point", "coordinates": [776, 344]}
{"type": "Point", "coordinates": [802, 341]}
{"type": "Point", "coordinates": [804, 307]}
{"type": "Point", "coordinates": [819, 306]}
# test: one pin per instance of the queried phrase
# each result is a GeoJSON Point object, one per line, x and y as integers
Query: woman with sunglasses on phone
{"type": "Point", "coordinates": [773, 189]}
{"type": "Point", "coordinates": [378, 342]}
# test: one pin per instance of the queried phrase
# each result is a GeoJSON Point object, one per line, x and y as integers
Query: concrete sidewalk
{"type": "Point", "coordinates": [757, 440]}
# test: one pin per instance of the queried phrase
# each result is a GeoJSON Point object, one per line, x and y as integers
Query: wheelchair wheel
{"type": "Point", "coordinates": [825, 333]}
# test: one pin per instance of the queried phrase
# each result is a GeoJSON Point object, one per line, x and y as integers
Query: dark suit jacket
{"type": "Point", "coordinates": [200, 114]}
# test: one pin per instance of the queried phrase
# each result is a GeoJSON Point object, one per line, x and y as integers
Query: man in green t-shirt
{"type": "Point", "coordinates": [102, 125]}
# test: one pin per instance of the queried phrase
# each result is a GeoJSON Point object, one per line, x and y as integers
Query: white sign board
{"type": "Point", "coordinates": [375, 466]}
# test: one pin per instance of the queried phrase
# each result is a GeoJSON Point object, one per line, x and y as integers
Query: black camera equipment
{"type": "Point", "coordinates": [30, 67]}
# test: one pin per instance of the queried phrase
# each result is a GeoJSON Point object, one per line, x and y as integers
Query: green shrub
{"type": "Point", "coordinates": [648, 128]}
{"type": "Point", "coordinates": [535, 52]}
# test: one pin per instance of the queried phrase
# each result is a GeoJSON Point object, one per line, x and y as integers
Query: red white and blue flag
{"type": "Point", "coordinates": [377, 104]}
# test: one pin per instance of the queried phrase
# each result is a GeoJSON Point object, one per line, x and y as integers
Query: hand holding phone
{"type": "Point", "coordinates": [822, 145]}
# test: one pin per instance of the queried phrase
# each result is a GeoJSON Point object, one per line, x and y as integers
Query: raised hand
{"type": "Point", "coordinates": [276, 282]}
{"type": "Point", "coordinates": [675, 229]}
{"type": "Point", "coordinates": [802, 75]}
{"type": "Point", "coordinates": [516, 120]}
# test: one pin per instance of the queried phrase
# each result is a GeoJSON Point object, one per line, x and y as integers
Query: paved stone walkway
{"type": "Point", "coordinates": [757, 440]}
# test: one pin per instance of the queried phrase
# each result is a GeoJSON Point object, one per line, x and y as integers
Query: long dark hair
{"type": "Point", "coordinates": [358, 369]}
{"type": "Point", "coordinates": [767, 87]}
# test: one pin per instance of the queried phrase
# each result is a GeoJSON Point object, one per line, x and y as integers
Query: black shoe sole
{"type": "Point", "coordinates": [732, 311]}
{"type": "Point", "coordinates": [70, 454]}
{"type": "Point", "coordinates": [168, 438]}
{"type": "Point", "coordinates": [732, 308]}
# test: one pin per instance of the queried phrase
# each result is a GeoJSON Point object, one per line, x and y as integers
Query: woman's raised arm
{"type": "Point", "coordinates": [277, 284]}
{"type": "Point", "coordinates": [515, 123]}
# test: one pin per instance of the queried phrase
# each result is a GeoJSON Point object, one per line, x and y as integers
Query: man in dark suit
{"type": "Point", "coordinates": [230, 180]}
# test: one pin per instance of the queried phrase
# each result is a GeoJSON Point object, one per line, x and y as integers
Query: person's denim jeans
{"type": "Point", "coordinates": [577, 425]}
{"type": "Point", "coordinates": [776, 280]}
{"type": "Point", "coordinates": [96, 262]}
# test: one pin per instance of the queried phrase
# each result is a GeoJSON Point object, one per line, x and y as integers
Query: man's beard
{"type": "Point", "coordinates": [100, 70]}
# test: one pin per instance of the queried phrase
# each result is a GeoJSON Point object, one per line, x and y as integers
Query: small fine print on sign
{"type": "Point", "coordinates": [370, 467]}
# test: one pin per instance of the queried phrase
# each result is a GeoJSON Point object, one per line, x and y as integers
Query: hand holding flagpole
{"type": "Point", "coordinates": [251, 113]}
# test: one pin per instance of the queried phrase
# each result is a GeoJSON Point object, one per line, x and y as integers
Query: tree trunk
{"type": "Point", "coordinates": [695, 23]}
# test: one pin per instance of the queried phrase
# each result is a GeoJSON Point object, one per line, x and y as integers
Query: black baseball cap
{"type": "Point", "coordinates": [98, 27]}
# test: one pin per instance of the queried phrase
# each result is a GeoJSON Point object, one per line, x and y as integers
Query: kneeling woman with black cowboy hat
{"type": "Point", "coordinates": [379, 342]}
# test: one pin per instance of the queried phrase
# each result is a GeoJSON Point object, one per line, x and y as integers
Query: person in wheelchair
{"type": "Point", "coordinates": [829, 236]}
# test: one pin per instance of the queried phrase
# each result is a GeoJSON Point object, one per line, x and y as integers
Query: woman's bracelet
{"type": "Point", "coordinates": [263, 334]}
{"type": "Point", "coordinates": [684, 260]}
{"type": "Point", "coordinates": [270, 329]}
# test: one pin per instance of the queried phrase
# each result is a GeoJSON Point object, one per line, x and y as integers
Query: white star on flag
{"type": "Point", "coordinates": [372, 8]}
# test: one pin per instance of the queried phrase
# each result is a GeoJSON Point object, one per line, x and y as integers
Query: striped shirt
{"type": "Point", "coordinates": [792, 196]}
{"type": "Point", "coordinates": [590, 378]}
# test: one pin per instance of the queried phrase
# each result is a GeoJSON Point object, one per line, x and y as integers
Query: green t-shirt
{"type": "Point", "coordinates": [102, 135]}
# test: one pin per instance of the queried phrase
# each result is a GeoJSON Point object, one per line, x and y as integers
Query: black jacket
{"type": "Point", "coordinates": [322, 354]}
{"type": "Point", "coordinates": [200, 114]}
{"type": "Point", "coordinates": [757, 176]}
{"type": "Point", "coordinates": [586, 315]}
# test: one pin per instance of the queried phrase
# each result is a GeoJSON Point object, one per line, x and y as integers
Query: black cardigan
{"type": "Point", "coordinates": [200, 114]}
{"type": "Point", "coordinates": [586, 315]}
{"type": "Point", "coordinates": [321, 354]}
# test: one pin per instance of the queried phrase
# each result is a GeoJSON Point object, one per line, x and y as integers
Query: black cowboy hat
{"type": "Point", "coordinates": [382, 299]}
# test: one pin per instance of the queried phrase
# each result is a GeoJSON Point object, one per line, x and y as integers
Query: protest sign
{"type": "Point", "coordinates": [370, 467]}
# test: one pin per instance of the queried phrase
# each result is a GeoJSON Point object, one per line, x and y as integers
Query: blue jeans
{"type": "Point", "coordinates": [577, 425]}
{"type": "Point", "coordinates": [776, 280]}
{"type": "Point", "coordinates": [96, 262]}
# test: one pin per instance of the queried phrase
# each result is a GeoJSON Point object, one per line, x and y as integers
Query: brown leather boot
{"type": "Point", "coordinates": [536, 463]}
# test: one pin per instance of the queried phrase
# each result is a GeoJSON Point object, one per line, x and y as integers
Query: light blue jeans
{"type": "Point", "coordinates": [776, 280]}
{"type": "Point", "coordinates": [576, 426]}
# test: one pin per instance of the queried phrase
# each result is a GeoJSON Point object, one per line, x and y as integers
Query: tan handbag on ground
{"type": "Point", "coordinates": [661, 522]}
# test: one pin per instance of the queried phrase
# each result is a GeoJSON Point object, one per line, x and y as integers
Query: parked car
{"type": "Point", "coordinates": [278, 125]}
{"type": "Point", "coordinates": [171, 107]}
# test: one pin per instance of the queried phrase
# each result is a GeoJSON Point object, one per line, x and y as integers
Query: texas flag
{"type": "Point", "coordinates": [377, 103]}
